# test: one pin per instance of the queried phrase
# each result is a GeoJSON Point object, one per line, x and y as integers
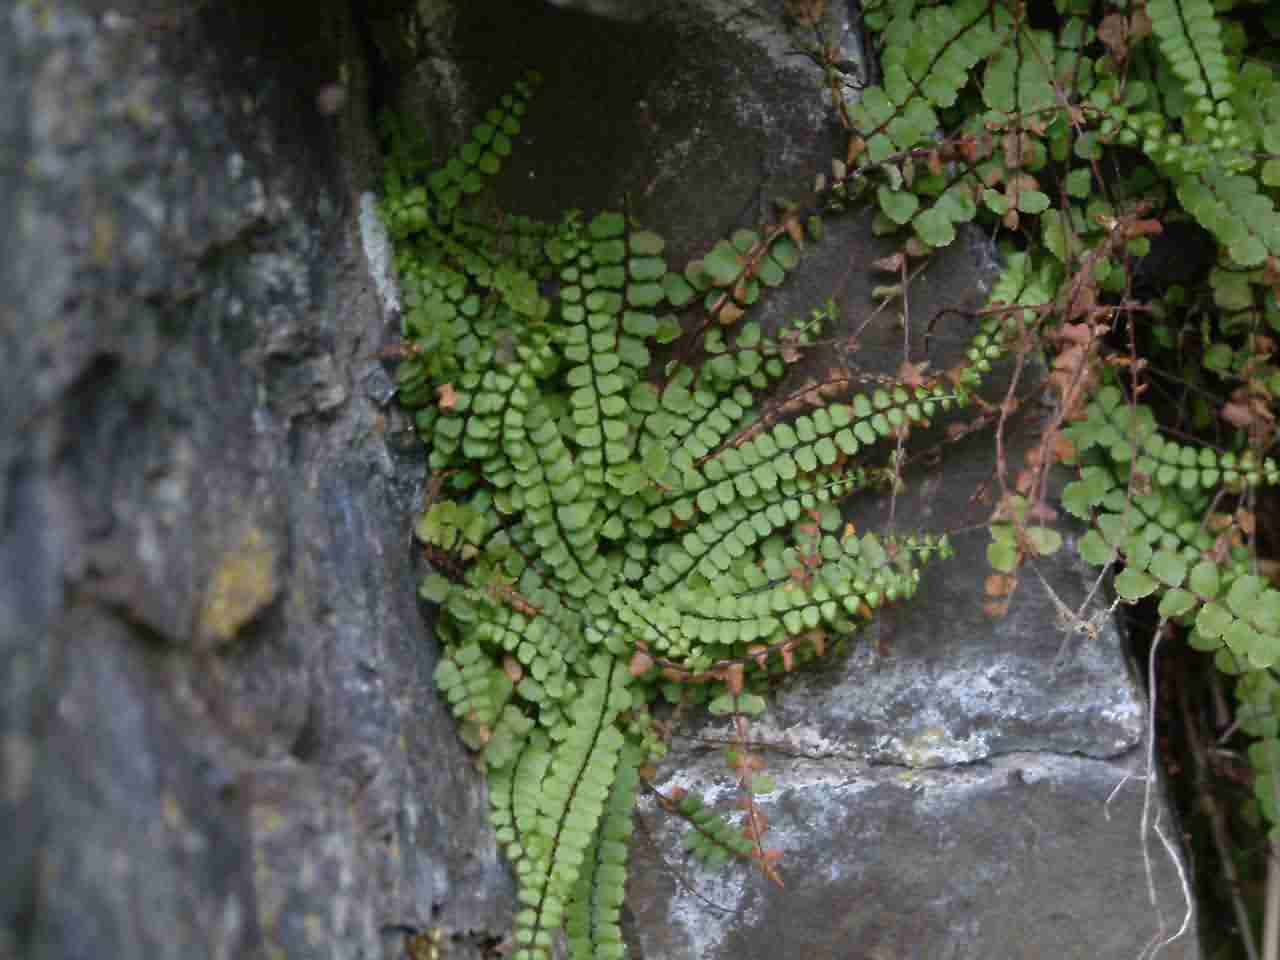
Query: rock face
{"type": "Point", "coordinates": [218, 734]}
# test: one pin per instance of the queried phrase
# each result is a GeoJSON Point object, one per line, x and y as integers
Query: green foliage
{"type": "Point", "coordinates": [1016, 103]}
{"type": "Point", "coordinates": [1088, 135]}
{"type": "Point", "coordinates": [710, 838]}
{"type": "Point", "coordinates": [1168, 553]}
{"type": "Point", "coordinates": [618, 519]}
{"type": "Point", "coordinates": [614, 524]}
{"type": "Point", "coordinates": [1159, 536]}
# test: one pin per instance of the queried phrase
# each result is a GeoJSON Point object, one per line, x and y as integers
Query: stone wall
{"type": "Point", "coordinates": [218, 734]}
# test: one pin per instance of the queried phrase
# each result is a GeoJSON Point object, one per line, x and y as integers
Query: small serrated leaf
{"type": "Point", "coordinates": [898, 205]}
{"type": "Point", "coordinates": [1044, 540]}
{"type": "Point", "coordinates": [1133, 584]}
{"type": "Point", "coordinates": [1177, 602]}
{"type": "Point", "coordinates": [1094, 550]}
{"type": "Point", "coordinates": [574, 516]}
{"type": "Point", "coordinates": [1213, 620]}
{"type": "Point", "coordinates": [1168, 567]}
{"type": "Point", "coordinates": [436, 589]}
{"type": "Point", "coordinates": [722, 264]}
{"type": "Point", "coordinates": [934, 227]}
{"type": "Point", "coordinates": [1002, 555]}
{"type": "Point", "coordinates": [1033, 201]}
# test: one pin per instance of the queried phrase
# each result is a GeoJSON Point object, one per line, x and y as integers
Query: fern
{"type": "Point", "coordinates": [592, 924]}
{"type": "Point", "coordinates": [605, 538]}
{"type": "Point", "coordinates": [617, 517]}
{"type": "Point", "coordinates": [1191, 41]}
{"type": "Point", "coordinates": [1158, 536]}
{"type": "Point", "coordinates": [710, 838]}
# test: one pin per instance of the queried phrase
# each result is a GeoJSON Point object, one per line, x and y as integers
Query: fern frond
{"type": "Point", "coordinates": [1191, 41]}
{"type": "Point", "coordinates": [804, 445]}
{"type": "Point", "coordinates": [551, 493]}
{"type": "Point", "coordinates": [690, 423]}
{"type": "Point", "coordinates": [571, 801]}
{"type": "Point", "coordinates": [1234, 210]}
{"type": "Point", "coordinates": [475, 689]}
{"type": "Point", "coordinates": [518, 760]}
{"type": "Point", "coordinates": [730, 277]}
{"type": "Point", "coordinates": [1128, 434]}
{"type": "Point", "coordinates": [711, 839]}
{"type": "Point", "coordinates": [928, 58]}
{"type": "Point", "coordinates": [721, 538]}
{"type": "Point", "coordinates": [1159, 534]}
{"type": "Point", "coordinates": [609, 277]}
{"type": "Point", "coordinates": [593, 921]}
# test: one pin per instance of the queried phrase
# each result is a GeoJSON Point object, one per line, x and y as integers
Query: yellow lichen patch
{"type": "Point", "coordinates": [243, 583]}
{"type": "Point", "coordinates": [18, 759]}
{"type": "Point", "coordinates": [266, 819]}
{"type": "Point", "coordinates": [313, 925]}
{"type": "Point", "coordinates": [171, 810]}
{"type": "Point", "coordinates": [922, 750]}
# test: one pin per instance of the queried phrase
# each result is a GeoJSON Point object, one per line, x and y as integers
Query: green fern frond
{"type": "Point", "coordinates": [551, 492]}
{"type": "Point", "coordinates": [803, 446]}
{"type": "Point", "coordinates": [518, 765]}
{"type": "Point", "coordinates": [571, 801]}
{"type": "Point", "coordinates": [711, 839]}
{"type": "Point", "coordinates": [1191, 41]}
{"type": "Point", "coordinates": [1127, 433]}
{"type": "Point", "coordinates": [1233, 209]}
{"type": "Point", "coordinates": [593, 921]}
{"type": "Point", "coordinates": [1160, 536]}
{"type": "Point", "coordinates": [475, 689]}
{"type": "Point", "coordinates": [723, 537]}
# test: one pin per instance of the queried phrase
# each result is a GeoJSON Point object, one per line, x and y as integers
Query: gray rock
{"type": "Point", "coordinates": [218, 733]}
{"type": "Point", "coordinates": [626, 10]}
{"type": "Point", "coordinates": [220, 737]}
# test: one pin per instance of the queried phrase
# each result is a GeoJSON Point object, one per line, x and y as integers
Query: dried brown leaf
{"type": "Point", "coordinates": [641, 663]}
{"type": "Point", "coordinates": [730, 313]}
{"type": "Point", "coordinates": [806, 13]}
{"type": "Point", "coordinates": [788, 346]}
{"type": "Point", "coordinates": [999, 584]}
{"type": "Point", "coordinates": [733, 678]}
{"type": "Point", "coordinates": [1238, 415]}
{"type": "Point", "coordinates": [890, 264]}
{"type": "Point", "coordinates": [1139, 24]}
{"type": "Point", "coordinates": [1113, 31]}
{"type": "Point", "coordinates": [912, 374]}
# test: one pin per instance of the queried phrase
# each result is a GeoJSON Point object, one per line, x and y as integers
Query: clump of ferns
{"type": "Point", "coordinates": [616, 520]}
{"type": "Point", "coordinates": [619, 521]}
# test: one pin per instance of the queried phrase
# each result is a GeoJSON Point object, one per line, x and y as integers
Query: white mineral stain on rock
{"type": "Point", "coordinates": [378, 253]}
